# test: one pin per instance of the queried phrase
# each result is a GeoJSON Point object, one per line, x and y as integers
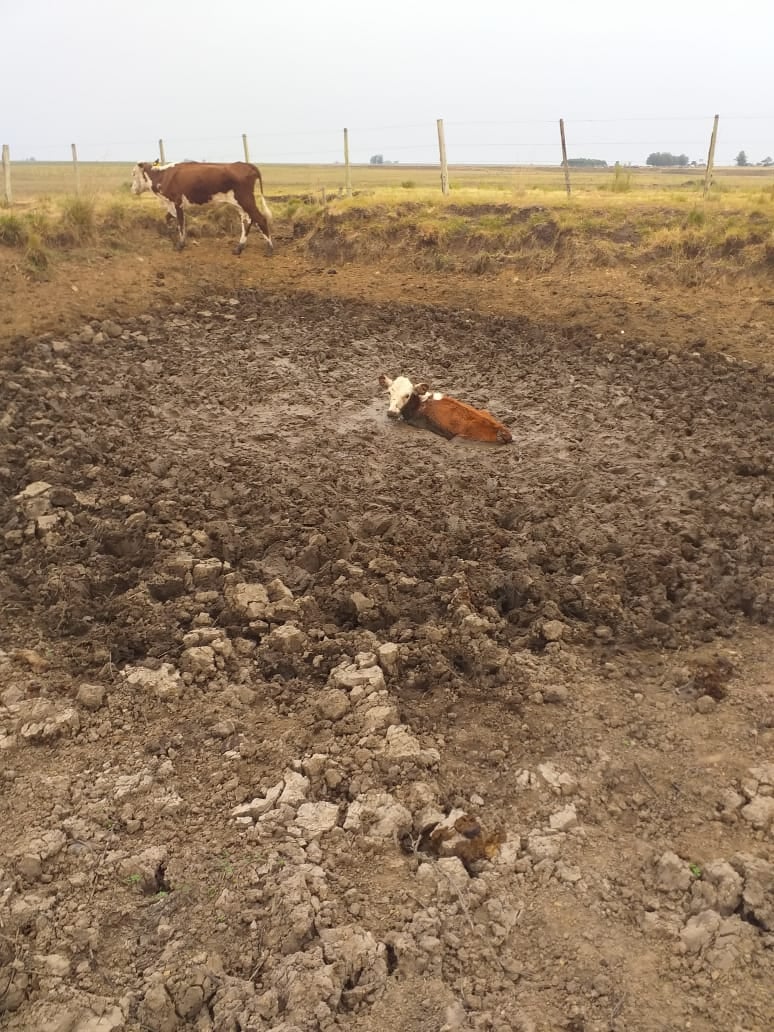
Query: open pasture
{"type": "Point", "coordinates": [32, 181]}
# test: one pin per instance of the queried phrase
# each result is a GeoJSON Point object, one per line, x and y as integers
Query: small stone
{"type": "Point", "coordinates": [362, 603]}
{"type": "Point", "coordinates": [250, 600]}
{"type": "Point", "coordinates": [111, 328]}
{"type": "Point", "coordinates": [377, 718]}
{"type": "Point", "coordinates": [287, 638]}
{"type": "Point", "coordinates": [277, 591]}
{"type": "Point", "coordinates": [164, 683]}
{"type": "Point", "coordinates": [705, 704]}
{"type": "Point", "coordinates": [672, 874]}
{"type": "Point", "coordinates": [317, 818]}
{"type": "Point", "coordinates": [258, 807]}
{"type": "Point", "coordinates": [561, 782]}
{"type": "Point", "coordinates": [32, 658]}
{"type": "Point", "coordinates": [295, 788]}
{"type": "Point", "coordinates": [564, 819]}
{"type": "Point", "coordinates": [388, 654]}
{"type": "Point", "coordinates": [351, 676]}
{"type": "Point", "coordinates": [30, 867]}
{"type": "Point", "coordinates": [55, 964]}
{"type": "Point", "coordinates": [223, 729]}
{"type": "Point", "coordinates": [379, 814]}
{"type": "Point", "coordinates": [760, 812]}
{"type": "Point", "coordinates": [35, 499]}
{"type": "Point", "coordinates": [556, 694]}
{"type": "Point", "coordinates": [91, 696]}
{"type": "Point", "coordinates": [699, 931]}
{"type": "Point", "coordinates": [332, 704]}
{"type": "Point", "coordinates": [198, 660]}
{"type": "Point", "coordinates": [568, 873]}
{"type": "Point", "coordinates": [208, 573]}
{"type": "Point", "coordinates": [190, 1002]}
{"type": "Point", "coordinates": [553, 630]}
{"type": "Point", "coordinates": [157, 1011]}
{"type": "Point", "coordinates": [402, 746]}
{"type": "Point", "coordinates": [727, 884]}
{"type": "Point", "coordinates": [544, 847]}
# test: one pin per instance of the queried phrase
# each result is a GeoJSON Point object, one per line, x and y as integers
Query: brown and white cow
{"type": "Point", "coordinates": [446, 416]}
{"type": "Point", "coordinates": [198, 182]}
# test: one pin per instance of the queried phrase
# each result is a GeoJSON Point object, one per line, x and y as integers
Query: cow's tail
{"type": "Point", "coordinates": [262, 201]}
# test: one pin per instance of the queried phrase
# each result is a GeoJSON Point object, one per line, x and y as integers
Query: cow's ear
{"type": "Point", "coordinates": [385, 381]}
{"type": "Point", "coordinates": [421, 388]}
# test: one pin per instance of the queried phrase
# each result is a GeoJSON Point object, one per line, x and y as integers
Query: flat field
{"type": "Point", "coordinates": [33, 180]}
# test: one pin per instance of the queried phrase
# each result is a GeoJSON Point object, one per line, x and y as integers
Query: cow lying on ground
{"type": "Point", "coordinates": [446, 416]}
{"type": "Point", "coordinates": [197, 182]}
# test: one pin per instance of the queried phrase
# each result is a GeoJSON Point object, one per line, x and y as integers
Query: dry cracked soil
{"type": "Point", "coordinates": [311, 720]}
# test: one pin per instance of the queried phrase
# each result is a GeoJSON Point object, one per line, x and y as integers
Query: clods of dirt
{"type": "Point", "coordinates": [310, 719]}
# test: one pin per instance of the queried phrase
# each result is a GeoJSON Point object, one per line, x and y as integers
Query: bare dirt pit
{"type": "Point", "coordinates": [310, 720]}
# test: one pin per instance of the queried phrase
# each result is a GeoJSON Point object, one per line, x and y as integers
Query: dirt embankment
{"type": "Point", "coordinates": [683, 303]}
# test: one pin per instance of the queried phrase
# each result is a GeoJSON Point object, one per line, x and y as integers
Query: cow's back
{"type": "Point", "coordinates": [199, 181]}
{"type": "Point", "coordinates": [456, 419]}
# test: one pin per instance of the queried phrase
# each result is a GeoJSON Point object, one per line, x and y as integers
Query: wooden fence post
{"type": "Point", "coordinates": [7, 174]}
{"type": "Point", "coordinates": [711, 157]}
{"type": "Point", "coordinates": [565, 166]}
{"type": "Point", "coordinates": [76, 170]}
{"type": "Point", "coordinates": [162, 157]}
{"type": "Point", "coordinates": [246, 148]}
{"type": "Point", "coordinates": [347, 170]}
{"type": "Point", "coordinates": [442, 152]}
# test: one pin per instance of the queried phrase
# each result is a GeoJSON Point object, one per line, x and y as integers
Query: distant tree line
{"type": "Point", "coordinates": [663, 159]}
{"type": "Point", "coordinates": [586, 163]}
{"type": "Point", "coordinates": [743, 161]}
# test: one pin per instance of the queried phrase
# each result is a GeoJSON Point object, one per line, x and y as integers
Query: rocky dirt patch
{"type": "Point", "coordinates": [311, 720]}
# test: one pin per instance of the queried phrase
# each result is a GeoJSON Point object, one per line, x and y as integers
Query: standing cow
{"type": "Point", "coordinates": [198, 182]}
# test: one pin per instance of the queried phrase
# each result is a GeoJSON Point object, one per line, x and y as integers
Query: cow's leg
{"type": "Point", "coordinates": [180, 213]}
{"type": "Point", "coordinates": [170, 216]}
{"type": "Point", "coordinates": [244, 219]}
{"type": "Point", "coordinates": [257, 217]}
{"type": "Point", "coordinates": [229, 198]}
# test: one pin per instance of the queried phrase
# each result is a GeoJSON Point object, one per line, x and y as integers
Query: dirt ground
{"type": "Point", "coordinates": [312, 720]}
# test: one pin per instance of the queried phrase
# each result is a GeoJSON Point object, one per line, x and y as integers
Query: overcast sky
{"type": "Point", "coordinates": [628, 76]}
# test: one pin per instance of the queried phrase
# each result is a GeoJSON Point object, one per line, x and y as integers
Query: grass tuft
{"type": "Point", "coordinates": [13, 230]}
{"type": "Point", "coordinates": [36, 255]}
{"type": "Point", "coordinates": [79, 220]}
{"type": "Point", "coordinates": [622, 179]}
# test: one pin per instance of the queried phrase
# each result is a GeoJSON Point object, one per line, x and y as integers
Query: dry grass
{"type": "Point", "coordinates": [33, 180]}
{"type": "Point", "coordinates": [493, 217]}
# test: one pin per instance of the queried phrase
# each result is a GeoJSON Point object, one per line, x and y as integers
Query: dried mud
{"type": "Point", "coordinates": [259, 641]}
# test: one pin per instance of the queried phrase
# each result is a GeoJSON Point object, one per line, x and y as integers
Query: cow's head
{"type": "Point", "coordinates": [141, 178]}
{"type": "Point", "coordinates": [400, 391]}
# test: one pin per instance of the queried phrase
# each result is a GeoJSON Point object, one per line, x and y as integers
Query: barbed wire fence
{"type": "Point", "coordinates": [559, 147]}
